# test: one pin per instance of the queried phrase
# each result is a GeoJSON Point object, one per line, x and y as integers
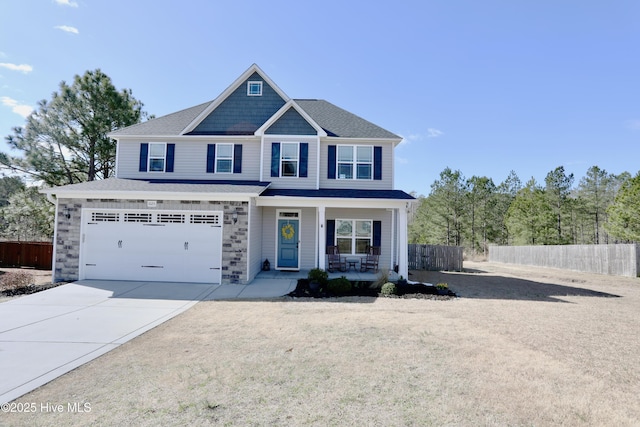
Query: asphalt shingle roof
{"type": "Point", "coordinates": [339, 122]}
{"type": "Point", "coordinates": [170, 125]}
{"type": "Point", "coordinates": [115, 185]}
{"type": "Point", "coordinates": [339, 193]}
{"type": "Point", "coordinates": [334, 120]}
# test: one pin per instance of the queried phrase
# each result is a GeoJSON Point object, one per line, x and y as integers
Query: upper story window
{"type": "Point", "coordinates": [355, 162]}
{"type": "Point", "coordinates": [289, 159]}
{"type": "Point", "coordinates": [224, 158]}
{"type": "Point", "coordinates": [254, 88]}
{"type": "Point", "coordinates": [157, 157]}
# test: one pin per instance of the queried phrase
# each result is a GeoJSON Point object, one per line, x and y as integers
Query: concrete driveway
{"type": "Point", "coordinates": [47, 334]}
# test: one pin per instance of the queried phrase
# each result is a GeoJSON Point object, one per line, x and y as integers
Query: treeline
{"type": "Point", "coordinates": [475, 212]}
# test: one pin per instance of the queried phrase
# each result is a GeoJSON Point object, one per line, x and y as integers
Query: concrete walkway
{"type": "Point", "coordinates": [49, 333]}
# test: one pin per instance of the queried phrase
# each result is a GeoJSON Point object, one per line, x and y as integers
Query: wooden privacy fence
{"type": "Point", "coordinates": [435, 258]}
{"type": "Point", "coordinates": [26, 254]}
{"type": "Point", "coordinates": [616, 260]}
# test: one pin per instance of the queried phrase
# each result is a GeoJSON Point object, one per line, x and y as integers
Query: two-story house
{"type": "Point", "coordinates": [207, 194]}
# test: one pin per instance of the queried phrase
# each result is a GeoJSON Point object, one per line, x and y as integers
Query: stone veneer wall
{"type": "Point", "coordinates": [234, 236]}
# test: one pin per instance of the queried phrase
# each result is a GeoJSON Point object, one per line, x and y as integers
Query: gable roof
{"type": "Point", "coordinates": [291, 106]}
{"type": "Point", "coordinates": [320, 114]}
{"type": "Point", "coordinates": [236, 85]}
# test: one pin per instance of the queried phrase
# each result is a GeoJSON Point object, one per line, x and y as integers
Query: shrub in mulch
{"type": "Point", "coordinates": [363, 289]}
{"type": "Point", "coordinates": [14, 283]}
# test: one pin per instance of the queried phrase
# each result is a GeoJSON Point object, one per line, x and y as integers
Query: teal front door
{"type": "Point", "coordinates": [288, 240]}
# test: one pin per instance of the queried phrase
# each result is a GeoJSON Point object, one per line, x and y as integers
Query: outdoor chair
{"type": "Point", "coordinates": [371, 260]}
{"type": "Point", "coordinates": [335, 260]}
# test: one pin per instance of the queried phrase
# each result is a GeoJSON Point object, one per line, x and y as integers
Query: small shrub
{"type": "Point", "coordinates": [442, 286]}
{"type": "Point", "coordinates": [318, 275]}
{"type": "Point", "coordinates": [339, 286]}
{"type": "Point", "coordinates": [383, 277]}
{"type": "Point", "coordinates": [388, 289]}
{"type": "Point", "coordinates": [15, 279]}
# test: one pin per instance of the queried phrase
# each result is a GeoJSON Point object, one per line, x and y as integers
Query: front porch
{"type": "Point", "coordinates": [353, 275]}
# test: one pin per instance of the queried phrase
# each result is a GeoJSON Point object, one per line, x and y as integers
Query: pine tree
{"type": "Point", "coordinates": [624, 214]}
{"type": "Point", "coordinates": [65, 139]}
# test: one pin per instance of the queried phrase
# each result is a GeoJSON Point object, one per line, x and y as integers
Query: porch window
{"type": "Point", "coordinates": [289, 159]}
{"type": "Point", "coordinates": [355, 161]}
{"type": "Point", "coordinates": [353, 235]}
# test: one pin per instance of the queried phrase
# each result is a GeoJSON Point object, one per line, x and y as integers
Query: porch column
{"type": "Point", "coordinates": [403, 244]}
{"type": "Point", "coordinates": [322, 237]}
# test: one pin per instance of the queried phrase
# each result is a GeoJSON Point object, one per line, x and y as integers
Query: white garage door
{"type": "Point", "coordinates": [165, 246]}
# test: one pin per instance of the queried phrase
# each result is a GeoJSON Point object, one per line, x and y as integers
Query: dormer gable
{"type": "Point", "coordinates": [290, 120]}
{"type": "Point", "coordinates": [242, 108]}
{"type": "Point", "coordinates": [291, 123]}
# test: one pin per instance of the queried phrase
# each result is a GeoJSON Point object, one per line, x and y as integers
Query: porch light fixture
{"type": "Point", "coordinates": [234, 216]}
{"type": "Point", "coordinates": [67, 213]}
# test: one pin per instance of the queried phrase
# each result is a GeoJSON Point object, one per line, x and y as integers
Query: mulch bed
{"type": "Point", "coordinates": [362, 289]}
{"type": "Point", "coordinates": [26, 290]}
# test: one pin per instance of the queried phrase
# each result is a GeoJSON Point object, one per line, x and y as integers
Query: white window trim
{"type": "Point", "coordinates": [353, 233]}
{"type": "Point", "coordinates": [164, 157]}
{"type": "Point", "coordinates": [282, 159]}
{"type": "Point", "coordinates": [251, 83]}
{"type": "Point", "coordinates": [215, 161]}
{"type": "Point", "coordinates": [355, 162]}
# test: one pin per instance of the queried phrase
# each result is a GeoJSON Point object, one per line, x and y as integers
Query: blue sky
{"type": "Point", "coordinates": [484, 87]}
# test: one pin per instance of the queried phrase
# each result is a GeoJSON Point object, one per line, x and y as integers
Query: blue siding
{"type": "Point", "coordinates": [240, 114]}
{"type": "Point", "coordinates": [291, 123]}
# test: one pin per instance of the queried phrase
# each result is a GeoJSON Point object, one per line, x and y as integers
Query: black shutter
{"type": "Point", "coordinates": [211, 158]}
{"type": "Point", "coordinates": [377, 233]}
{"type": "Point", "coordinates": [237, 158]}
{"type": "Point", "coordinates": [275, 159]}
{"type": "Point", "coordinates": [331, 163]}
{"type": "Point", "coordinates": [144, 153]}
{"type": "Point", "coordinates": [331, 232]}
{"type": "Point", "coordinates": [304, 160]}
{"type": "Point", "coordinates": [171, 152]}
{"type": "Point", "coordinates": [377, 162]}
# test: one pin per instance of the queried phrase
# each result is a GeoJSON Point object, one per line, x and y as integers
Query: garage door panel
{"type": "Point", "coordinates": [181, 251]}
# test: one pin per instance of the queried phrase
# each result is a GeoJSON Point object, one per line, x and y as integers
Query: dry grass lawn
{"type": "Point", "coordinates": [522, 346]}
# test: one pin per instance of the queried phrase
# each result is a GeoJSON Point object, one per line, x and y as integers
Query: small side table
{"type": "Point", "coordinates": [352, 262]}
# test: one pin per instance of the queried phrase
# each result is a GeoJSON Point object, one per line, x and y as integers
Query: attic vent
{"type": "Point", "coordinates": [254, 88]}
{"type": "Point", "coordinates": [137, 217]}
{"type": "Point", "coordinates": [205, 219]}
{"type": "Point", "coordinates": [105, 216]}
{"type": "Point", "coordinates": [171, 218]}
